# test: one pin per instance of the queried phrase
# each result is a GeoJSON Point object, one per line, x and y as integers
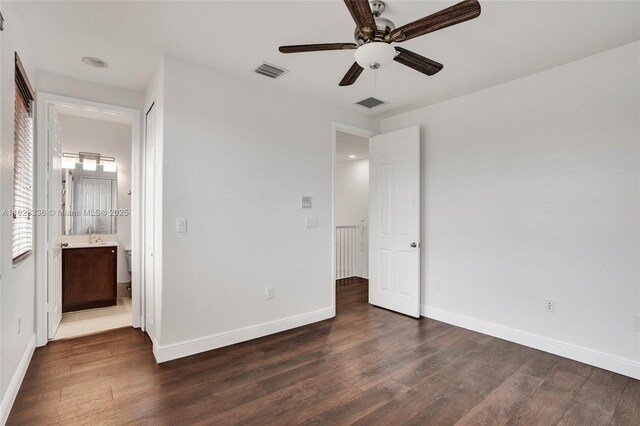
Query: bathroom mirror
{"type": "Point", "coordinates": [89, 201]}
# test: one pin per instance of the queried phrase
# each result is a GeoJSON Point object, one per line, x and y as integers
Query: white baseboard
{"type": "Point", "coordinates": [207, 343]}
{"type": "Point", "coordinates": [606, 361]}
{"type": "Point", "coordinates": [16, 381]}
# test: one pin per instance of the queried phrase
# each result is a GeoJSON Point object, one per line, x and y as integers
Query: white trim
{"type": "Point", "coordinates": [194, 346]}
{"type": "Point", "coordinates": [606, 361]}
{"type": "Point", "coordinates": [16, 381]}
{"type": "Point", "coordinates": [335, 127]}
{"type": "Point", "coordinates": [42, 123]}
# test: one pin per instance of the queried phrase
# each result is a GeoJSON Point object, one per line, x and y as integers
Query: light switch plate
{"type": "Point", "coordinates": [181, 224]}
{"type": "Point", "coordinates": [311, 223]}
{"type": "Point", "coordinates": [305, 201]}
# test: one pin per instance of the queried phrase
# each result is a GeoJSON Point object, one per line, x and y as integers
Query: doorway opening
{"type": "Point", "coordinates": [391, 224]}
{"type": "Point", "coordinates": [88, 277]}
{"type": "Point", "coordinates": [351, 211]}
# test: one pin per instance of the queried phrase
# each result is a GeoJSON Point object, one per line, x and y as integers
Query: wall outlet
{"type": "Point", "coordinates": [436, 283]}
{"type": "Point", "coordinates": [636, 322]}
{"type": "Point", "coordinates": [550, 305]}
{"type": "Point", "coordinates": [311, 223]}
{"type": "Point", "coordinates": [270, 292]}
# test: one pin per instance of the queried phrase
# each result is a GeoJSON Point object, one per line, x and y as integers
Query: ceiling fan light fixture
{"type": "Point", "coordinates": [375, 55]}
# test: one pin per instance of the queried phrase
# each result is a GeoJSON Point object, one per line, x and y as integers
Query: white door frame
{"type": "Point", "coordinates": [335, 127]}
{"type": "Point", "coordinates": [41, 154]}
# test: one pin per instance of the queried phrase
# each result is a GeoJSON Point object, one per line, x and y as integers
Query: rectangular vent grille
{"type": "Point", "coordinates": [270, 70]}
{"type": "Point", "coordinates": [370, 103]}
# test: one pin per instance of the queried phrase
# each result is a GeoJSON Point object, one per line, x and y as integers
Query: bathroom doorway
{"type": "Point", "coordinates": [87, 239]}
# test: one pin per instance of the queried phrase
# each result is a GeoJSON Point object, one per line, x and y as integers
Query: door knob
{"type": "Point", "coordinates": [413, 245]}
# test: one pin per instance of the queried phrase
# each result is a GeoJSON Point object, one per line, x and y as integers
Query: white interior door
{"type": "Point", "coordinates": [54, 226]}
{"type": "Point", "coordinates": [394, 228]}
{"type": "Point", "coordinates": [96, 196]}
{"type": "Point", "coordinates": [149, 221]}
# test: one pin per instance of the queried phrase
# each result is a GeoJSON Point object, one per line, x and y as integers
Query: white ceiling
{"type": "Point", "coordinates": [509, 40]}
{"type": "Point", "coordinates": [348, 144]}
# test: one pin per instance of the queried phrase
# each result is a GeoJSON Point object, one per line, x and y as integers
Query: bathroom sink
{"type": "Point", "coordinates": [90, 245]}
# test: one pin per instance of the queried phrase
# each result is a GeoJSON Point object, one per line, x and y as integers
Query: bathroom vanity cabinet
{"type": "Point", "coordinates": [88, 277]}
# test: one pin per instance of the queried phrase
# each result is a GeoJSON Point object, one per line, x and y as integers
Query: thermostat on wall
{"type": "Point", "coordinates": [305, 201]}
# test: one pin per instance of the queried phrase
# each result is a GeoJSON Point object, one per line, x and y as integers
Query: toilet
{"type": "Point", "coordinates": [127, 252]}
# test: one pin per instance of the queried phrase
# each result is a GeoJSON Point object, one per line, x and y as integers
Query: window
{"type": "Point", "coordinates": [22, 242]}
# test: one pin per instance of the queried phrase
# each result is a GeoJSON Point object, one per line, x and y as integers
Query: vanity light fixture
{"type": "Point", "coordinates": [69, 161]}
{"type": "Point", "coordinates": [89, 161]}
{"type": "Point", "coordinates": [352, 156]}
{"type": "Point", "coordinates": [108, 165]}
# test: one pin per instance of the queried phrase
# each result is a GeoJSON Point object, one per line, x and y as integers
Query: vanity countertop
{"type": "Point", "coordinates": [90, 245]}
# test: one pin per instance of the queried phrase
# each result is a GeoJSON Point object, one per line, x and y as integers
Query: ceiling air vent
{"type": "Point", "coordinates": [270, 70]}
{"type": "Point", "coordinates": [370, 103]}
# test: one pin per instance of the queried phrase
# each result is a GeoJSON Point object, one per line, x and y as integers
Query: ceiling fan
{"type": "Point", "coordinates": [374, 35]}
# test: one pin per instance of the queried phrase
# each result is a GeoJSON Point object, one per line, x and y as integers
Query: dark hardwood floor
{"type": "Point", "coordinates": [366, 366]}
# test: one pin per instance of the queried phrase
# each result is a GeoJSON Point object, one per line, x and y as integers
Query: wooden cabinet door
{"type": "Point", "coordinates": [88, 278]}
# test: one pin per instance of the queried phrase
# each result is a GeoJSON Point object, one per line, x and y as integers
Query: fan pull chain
{"type": "Point", "coordinates": [375, 78]}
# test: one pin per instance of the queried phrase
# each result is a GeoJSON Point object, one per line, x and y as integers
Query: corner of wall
{"type": "Point", "coordinates": [207, 343]}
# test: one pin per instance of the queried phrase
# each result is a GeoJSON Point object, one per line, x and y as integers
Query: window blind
{"type": "Point", "coordinates": [22, 242]}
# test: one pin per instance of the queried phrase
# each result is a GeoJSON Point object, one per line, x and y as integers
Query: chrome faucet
{"type": "Point", "coordinates": [93, 237]}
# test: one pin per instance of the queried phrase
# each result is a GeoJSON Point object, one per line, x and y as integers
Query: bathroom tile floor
{"type": "Point", "coordinates": [90, 321]}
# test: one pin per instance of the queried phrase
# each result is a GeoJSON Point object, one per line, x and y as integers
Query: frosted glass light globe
{"type": "Point", "coordinates": [375, 55]}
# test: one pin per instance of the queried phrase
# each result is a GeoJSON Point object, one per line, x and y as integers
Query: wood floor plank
{"type": "Point", "coordinates": [432, 364]}
{"type": "Point", "coordinates": [455, 402]}
{"type": "Point", "coordinates": [549, 403]}
{"type": "Point", "coordinates": [501, 404]}
{"type": "Point", "coordinates": [309, 407]}
{"type": "Point", "coordinates": [628, 410]}
{"type": "Point", "coordinates": [408, 359]}
{"type": "Point", "coordinates": [367, 365]}
{"type": "Point", "coordinates": [402, 410]}
{"type": "Point", "coordinates": [274, 402]}
{"type": "Point", "coordinates": [540, 364]}
{"type": "Point", "coordinates": [596, 401]}
{"type": "Point", "coordinates": [358, 407]}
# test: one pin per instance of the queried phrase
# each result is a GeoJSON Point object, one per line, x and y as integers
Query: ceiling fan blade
{"type": "Point", "coordinates": [352, 75]}
{"type": "Point", "coordinates": [299, 48]}
{"type": "Point", "coordinates": [362, 16]}
{"type": "Point", "coordinates": [463, 11]}
{"type": "Point", "coordinates": [417, 62]}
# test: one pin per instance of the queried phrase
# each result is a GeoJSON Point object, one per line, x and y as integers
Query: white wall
{"type": "Point", "coordinates": [112, 140]}
{"type": "Point", "coordinates": [81, 89]}
{"type": "Point", "coordinates": [17, 283]}
{"type": "Point", "coordinates": [237, 156]}
{"type": "Point", "coordinates": [531, 192]}
{"type": "Point", "coordinates": [352, 192]}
